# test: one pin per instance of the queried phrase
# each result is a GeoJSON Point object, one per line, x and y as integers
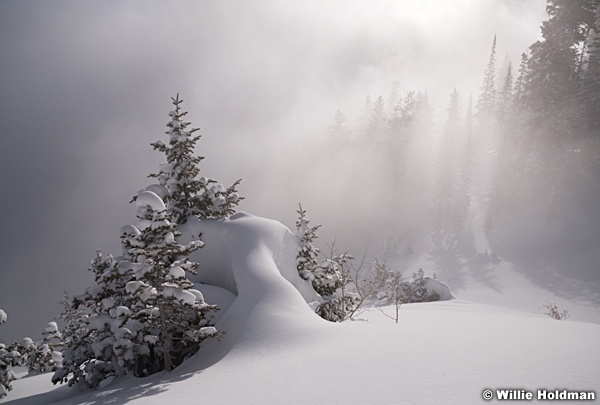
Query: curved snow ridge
{"type": "Point", "coordinates": [254, 258]}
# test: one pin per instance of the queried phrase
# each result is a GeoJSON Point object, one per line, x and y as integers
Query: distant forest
{"type": "Point", "coordinates": [531, 132]}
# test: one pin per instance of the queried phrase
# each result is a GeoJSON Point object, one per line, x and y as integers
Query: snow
{"type": "Point", "coordinates": [158, 189]}
{"type": "Point", "coordinates": [148, 198]}
{"type": "Point", "coordinates": [129, 230]}
{"type": "Point", "coordinates": [274, 349]}
{"type": "Point", "coordinates": [176, 272]}
{"type": "Point", "coordinates": [51, 327]}
{"type": "Point", "coordinates": [26, 342]}
{"type": "Point", "coordinates": [173, 290]}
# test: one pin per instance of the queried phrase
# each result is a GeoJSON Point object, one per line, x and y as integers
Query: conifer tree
{"type": "Point", "coordinates": [174, 317]}
{"type": "Point", "coordinates": [143, 315]}
{"type": "Point", "coordinates": [521, 84]}
{"type": "Point", "coordinates": [339, 130]}
{"type": "Point", "coordinates": [184, 193]}
{"type": "Point", "coordinates": [46, 355]}
{"type": "Point", "coordinates": [333, 277]}
{"type": "Point", "coordinates": [6, 374]}
{"type": "Point", "coordinates": [487, 99]}
{"type": "Point", "coordinates": [73, 318]}
{"type": "Point", "coordinates": [505, 98]}
{"type": "Point", "coordinates": [329, 277]}
{"type": "Point", "coordinates": [554, 78]}
{"type": "Point", "coordinates": [589, 94]}
{"type": "Point", "coordinates": [365, 113]}
{"type": "Point", "coordinates": [306, 260]}
{"type": "Point", "coordinates": [376, 126]}
{"type": "Point", "coordinates": [90, 356]}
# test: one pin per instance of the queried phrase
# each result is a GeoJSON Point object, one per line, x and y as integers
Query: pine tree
{"type": "Point", "coordinates": [376, 126]}
{"type": "Point", "coordinates": [554, 73]}
{"type": "Point", "coordinates": [143, 315]}
{"type": "Point", "coordinates": [73, 318]}
{"type": "Point", "coordinates": [521, 83]}
{"type": "Point", "coordinates": [487, 99]}
{"type": "Point", "coordinates": [174, 317]}
{"type": "Point", "coordinates": [328, 277]}
{"type": "Point", "coordinates": [6, 374]}
{"type": "Point", "coordinates": [184, 193]}
{"type": "Point", "coordinates": [589, 94]}
{"type": "Point", "coordinates": [306, 260]}
{"type": "Point", "coordinates": [332, 277]}
{"type": "Point", "coordinates": [90, 356]}
{"type": "Point", "coordinates": [553, 84]}
{"type": "Point", "coordinates": [46, 355]}
{"type": "Point", "coordinates": [505, 98]}
{"type": "Point", "coordinates": [339, 130]}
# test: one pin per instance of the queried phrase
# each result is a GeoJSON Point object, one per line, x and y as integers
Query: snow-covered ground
{"type": "Point", "coordinates": [275, 350]}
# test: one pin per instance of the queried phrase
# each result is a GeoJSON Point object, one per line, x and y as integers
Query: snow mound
{"type": "Point", "coordinates": [253, 259]}
{"type": "Point", "coordinates": [441, 289]}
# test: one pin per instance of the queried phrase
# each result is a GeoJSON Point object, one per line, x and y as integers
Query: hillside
{"type": "Point", "coordinates": [276, 350]}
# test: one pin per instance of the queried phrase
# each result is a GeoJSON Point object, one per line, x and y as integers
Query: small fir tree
{"type": "Point", "coordinates": [6, 374]}
{"type": "Point", "coordinates": [174, 317]}
{"type": "Point", "coordinates": [73, 318]}
{"type": "Point", "coordinates": [46, 356]}
{"type": "Point", "coordinates": [332, 277]}
{"type": "Point", "coordinates": [487, 98]}
{"type": "Point", "coordinates": [143, 315]}
{"type": "Point", "coordinates": [181, 189]}
{"type": "Point", "coordinates": [306, 260]}
{"type": "Point", "coordinates": [89, 356]}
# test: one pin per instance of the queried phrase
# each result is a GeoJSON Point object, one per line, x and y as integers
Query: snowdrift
{"type": "Point", "coordinates": [254, 259]}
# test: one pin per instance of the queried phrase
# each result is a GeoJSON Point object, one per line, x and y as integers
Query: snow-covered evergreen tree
{"type": "Point", "coordinates": [174, 317]}
{"type": "Point", "coordinates": [73, 318]}
{"type": "Point", "coordinates": [328, 277]}
{"type": "Point", "coordinates": [46, 356]}
{"type": "Point", "coordinates": [185, 193]}
{"type": "Point", "coordinates": [332, 278]}
{"type": "Point", "coordinates": [554, 67]}
{"type": "Point", "coordinates": [89, 356]}
{"type": "Point", "coordinates": [142, 316]}
{"type": "Point", "coordinates": [6, 374]}
{"type": "Point", "coordinates": [306, 260]}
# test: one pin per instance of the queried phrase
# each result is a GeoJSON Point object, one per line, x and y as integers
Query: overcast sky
{"type": "Point", "coordinates": [86, 86]}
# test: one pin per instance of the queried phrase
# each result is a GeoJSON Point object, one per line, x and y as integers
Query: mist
{"type": "Point", "coordinates": [86, 87]}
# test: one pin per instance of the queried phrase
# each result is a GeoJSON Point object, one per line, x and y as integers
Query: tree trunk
{"type": "Point", "coordinates": [164, 339]}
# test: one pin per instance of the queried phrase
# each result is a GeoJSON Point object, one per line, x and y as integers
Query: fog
{"type": "Point", "coordinates": [85, 87]}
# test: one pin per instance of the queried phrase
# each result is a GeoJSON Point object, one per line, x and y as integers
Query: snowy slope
{"type": "Point", "coordinates": [276, 350]}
